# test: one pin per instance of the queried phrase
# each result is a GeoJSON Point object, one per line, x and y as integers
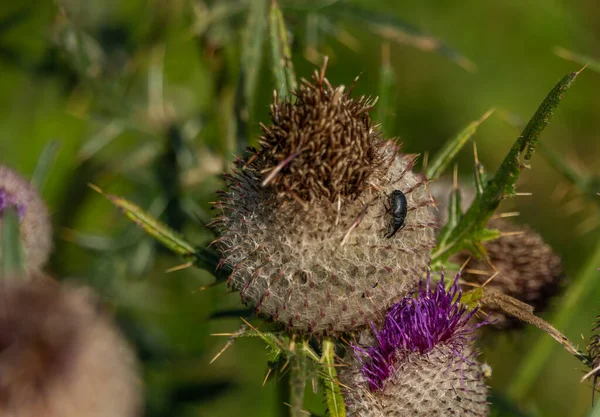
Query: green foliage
{"type": "Point", "coordinates": [469, 231]}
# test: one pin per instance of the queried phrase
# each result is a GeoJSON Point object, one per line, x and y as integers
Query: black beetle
{"type": "Point", "coordinates": [398, 211]}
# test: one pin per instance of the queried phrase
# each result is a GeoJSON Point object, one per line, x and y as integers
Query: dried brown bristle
{"type": "Point", "coordinates": [321, 145]}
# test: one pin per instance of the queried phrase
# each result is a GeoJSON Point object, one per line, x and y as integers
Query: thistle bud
{"type": "Point", "coordinates": [60, 357]}
{"type": "Point", "coordinates": [308, 225]}
{"type": "Point", "coordinates": [421, 363]}
{"type": "Point", "coordinates": [36, 232]}
{"type": "Point", "coordinates": [528, 269]}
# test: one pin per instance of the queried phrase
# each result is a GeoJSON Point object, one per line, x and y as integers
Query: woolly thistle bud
{"type": "Point", "coordinates": [422, 362]}
{"type": "Point", "coordinates": [305, 222]}
{"type": "Point", "coordinates": [528, 269]}
{"type": "Point", "coordinates": [36, 232]}
{"type": "Point", "coordinates": [60, 357]}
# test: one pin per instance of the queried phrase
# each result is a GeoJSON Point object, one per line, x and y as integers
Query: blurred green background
{"type": "Point", "coordinates": [144, 99]}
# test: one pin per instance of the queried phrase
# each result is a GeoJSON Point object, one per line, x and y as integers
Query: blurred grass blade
{"type": "Point", "coordinates": [252, 48]}
{"type": "Point", "coordinates": [12, 252]}
{"type": "Point", "coordinates": [298, 379]}
{"type": "Point", "coordinates": [282, 67]}
{"type": "Point", "coordinates": [395, 30]}
{"type": "Point", "coordinates": [100, 141]}
{"type": "Point", "coordinates": [444, 157]}
{"type": "Point", "coordinates": [534, 362]}
{"type": "Point", "coordinates": [591, 63]}
{"type": "Point", "coordinates": [44, 164]}
{"type": "Point", "coordinates": [387, 92]}
{"type": "Point", "coordinates": [503, 183]}
{"type": "Point", "coordinates": [588, 185]}
{"type": "Point", "coordinates": [333, 393]}
{"type": "Point", "coordinates": [150, 225]}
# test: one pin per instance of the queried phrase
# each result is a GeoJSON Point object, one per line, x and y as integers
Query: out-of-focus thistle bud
{"type": "Point", "coordinates": [421, 362]}
{"type": "Point", "coordinates": [309, 225]}
{"type": "Point", "coordinates": [60, 357]}
{"type": "Point", "coordinates": [528, 269]}
{"type": "Point", "coordinates": [36, 232]}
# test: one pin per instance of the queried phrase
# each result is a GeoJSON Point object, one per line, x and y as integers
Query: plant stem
{"type": "Point", "coordinates": [535, 360]}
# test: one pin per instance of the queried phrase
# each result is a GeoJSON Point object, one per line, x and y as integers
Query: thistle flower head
{"type": "Point", "coordinates": [417, 325]}
{"type": "Point", "coordinates": [305, 221]}
{"type": "Point", "coordinates": [323, 145]}
{"type": "Point", "coordinates": [59, 356]}
{"type": "Point", "coordinates": [422, 361]}
{"type": "Point", "coordinates": [36, 232]}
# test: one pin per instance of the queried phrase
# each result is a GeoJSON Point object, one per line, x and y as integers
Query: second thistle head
{"type": "Point", "coordinates": [306, 221]}
{"type": "Point", "coordinates": [421, 362]}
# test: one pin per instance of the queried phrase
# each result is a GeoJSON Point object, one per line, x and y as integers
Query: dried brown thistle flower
{"type": "Point", "coordinates": [304, 221]}
{"type": "Point", "coordinates": [36, 231]}
{"type": "Point", "coordinates": [60, 357]}
{"type": "Point", "coordinates": [437, 384]}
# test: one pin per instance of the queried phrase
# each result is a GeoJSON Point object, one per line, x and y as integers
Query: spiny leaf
{"type": "Point", "coordinates": [171, 239]}
{"type": "Point", "coordinates": [44, 163]}
{"type": "Point", "coordinates": [444, 157]}
{"type": "Point", "coordinates": [503, 183]}
{"type": "Point", "coordinates": [11, 252]}
{"type": "Point", "coordinates": [395, 30]}
{"type": "Point", "coordinates": [333, 392]}
{"type": "Point", "coordinates": [150, 225]}
{"type": "Point", "coordinates": [282, 67]}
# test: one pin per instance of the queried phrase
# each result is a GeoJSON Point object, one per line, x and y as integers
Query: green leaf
{"type": "Point", "coordinates": [12, 251]}
{"type": "Point", "coordinates": [281, 56]}
{"type": "Point", "coordinates": [252, 46]}
{"type": "Point", "coordinates": [454, 214]}
{"type": "Point", "coordinates": [396, 30]}
{"type": "Point", "coordinates": [387, 92]}
{"type": "Point", "coordinates": [44, 163]}
{"type": "Point", "coordinates": [328, 374]}
{"type": "Point", "coordinates": [446, 155]}
{"type": "Point", "coordinates": [503, 183]}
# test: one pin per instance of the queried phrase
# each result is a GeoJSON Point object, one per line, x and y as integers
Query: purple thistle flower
{"type": "Point", "coordinates": [417, 325]}
{"type": "Point", "coordinates": [7, 200]}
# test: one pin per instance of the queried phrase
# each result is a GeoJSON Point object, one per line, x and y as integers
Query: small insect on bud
{"type": "Point", "coordinates": [421, 363]}
{"type": "Point", "coordinates": [310, 224]}
{"type": "Point", "coordinates": [36, 232]}
{"type": "Point", "coordinates": [60, 356]}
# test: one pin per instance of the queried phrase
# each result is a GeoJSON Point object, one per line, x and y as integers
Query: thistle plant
{"type": "Point", "coordinates": [326, 230]}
